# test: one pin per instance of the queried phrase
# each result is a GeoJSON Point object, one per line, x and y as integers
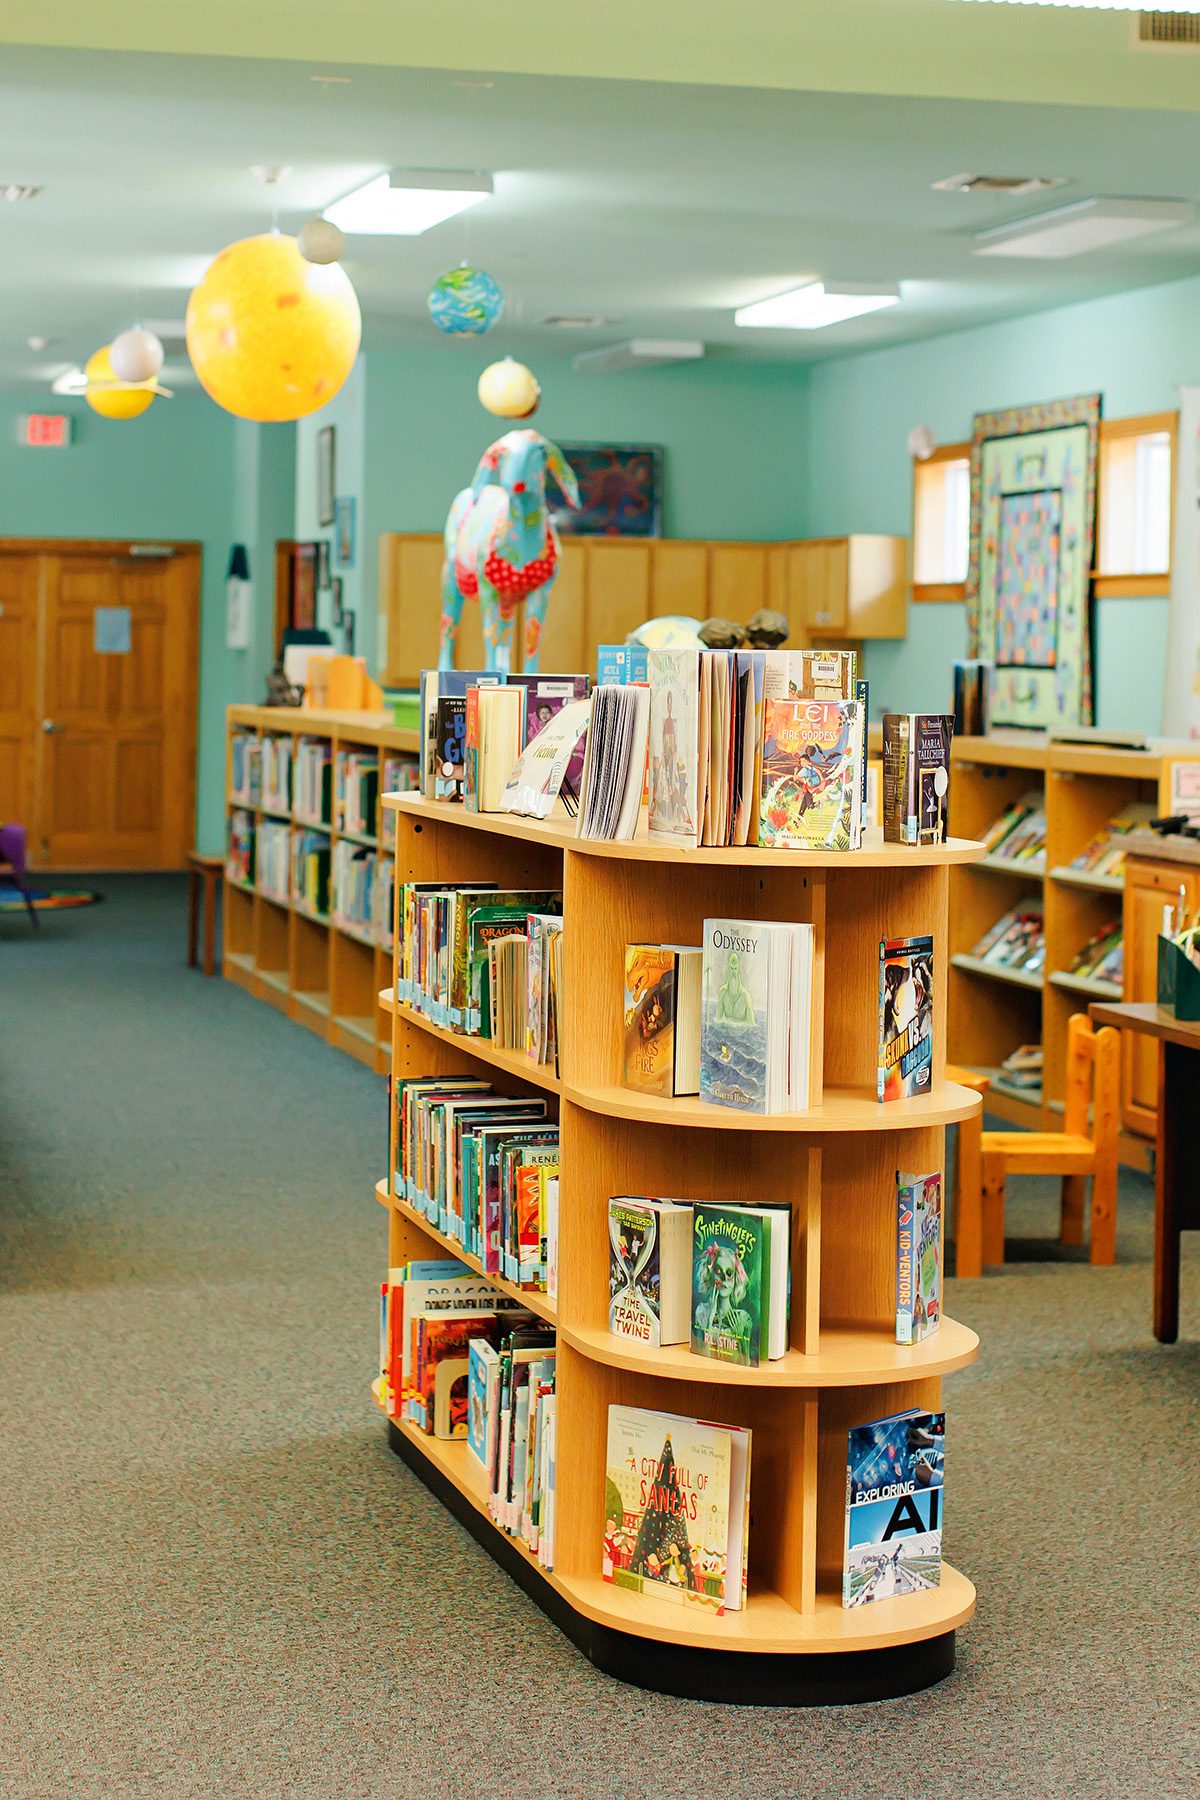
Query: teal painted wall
{"type": "Point", "coordinates": [184, 470]}
{"type": "Point", "coordinates": [347, 413]}
{"type": "Point", "coordinates": [1133, 348]}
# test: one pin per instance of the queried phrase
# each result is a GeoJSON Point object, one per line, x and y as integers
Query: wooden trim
{"type": "Point", "coordinates": [939, 591]}
{"type": "Point", "coordinates": [945, 453]}
{"type": "Point", "coordinates": [1140, 425]}
{"type": "Point", "coordinates": [1131, 587]}
{"type": "Point", "coordinates": [96, 546]}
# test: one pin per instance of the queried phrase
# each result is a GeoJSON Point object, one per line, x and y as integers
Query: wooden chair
{"type": "Point", "coordinates": [967, 1166]}
{"type": "Point", "coordinates": [1075, 1152]}
{"type": "Point", "coordinates": [206, 871]}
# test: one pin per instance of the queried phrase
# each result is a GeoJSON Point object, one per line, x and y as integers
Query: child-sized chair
{"type": "Point", "coordinates": [1075, 1152]}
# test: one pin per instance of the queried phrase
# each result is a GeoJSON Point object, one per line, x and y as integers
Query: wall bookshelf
{"type": "Point", "coordinates": [993, 1010]}
{"type": "Point", "coordinates": [793, 1642]}
{"type": "Point", "coordinates": [322, 970]}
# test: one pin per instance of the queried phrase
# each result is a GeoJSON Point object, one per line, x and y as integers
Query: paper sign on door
{"type": "Point", "coordinates": [113, 631]}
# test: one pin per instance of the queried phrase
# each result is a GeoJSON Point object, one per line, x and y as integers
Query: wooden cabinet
{"type": "Point", "coordinates": [1149, 885]}
{"type": "Point", "coordinates": [851, 587]}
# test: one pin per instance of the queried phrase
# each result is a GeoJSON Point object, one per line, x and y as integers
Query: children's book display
{"type": "Point", "coordinates": [756, 1050]}
{"type": "Point", "coordinates": [650, 1270]}
{"type": "Point", "coordinates": [893, 1543]}
{"type": "Point", "coordinates": [1016, 941]}
{"type": "Point", "coordinates": [916, 777]}
{"type": "Point", "coordinates": [905, 1068]}
{"type": "Point", "coordinates": [662, 1011]}
{"type": "Point", "coordinates": [677, 1508]}
{"type": "Point", "coordinates": [918, 1256]}
{"type": "Point", "coordinates": [483, 1168]}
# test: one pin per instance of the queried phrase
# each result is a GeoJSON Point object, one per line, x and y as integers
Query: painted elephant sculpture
{"type": "Point", "coordinates": [500, 546]}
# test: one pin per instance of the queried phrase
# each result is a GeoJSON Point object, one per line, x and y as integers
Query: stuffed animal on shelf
{"type": "Point", "coordinates": [501, 547]}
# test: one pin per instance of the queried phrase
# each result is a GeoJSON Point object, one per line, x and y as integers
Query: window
{"type": "Point", "coordinates": [1133, 538]}
{"type": "Point", "coordinates": [941, 523]}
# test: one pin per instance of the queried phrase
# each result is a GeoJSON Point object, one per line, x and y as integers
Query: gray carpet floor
{"type": "Point", "coordinates": [216, 1580]}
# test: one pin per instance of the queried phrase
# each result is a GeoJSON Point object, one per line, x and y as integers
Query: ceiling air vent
{"type": "Point", "coordinates": [1166, 31]}
{"type": "Point", "coordinates": [997, 184]}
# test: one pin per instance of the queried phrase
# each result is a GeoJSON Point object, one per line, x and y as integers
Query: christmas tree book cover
{"type": "Point", "coordinates": [666, 1507]}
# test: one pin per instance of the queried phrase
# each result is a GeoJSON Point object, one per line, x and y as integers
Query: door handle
{"type": "Point", "coordinates": [48, 725]}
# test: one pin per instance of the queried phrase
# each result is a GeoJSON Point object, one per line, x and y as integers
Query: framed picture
{"type": "Point", "coordinates": [348, 629]}
{"type": "Point", "coordinates": [324, 571]}
{"type": "Point", "coordinates": [620, 491]}
{"type": "Point", "coordinates": [304, 587]}
{"type": "Point", "coordinates": [326, 484]}
{"type": "Point", "coordinates": [343, 531]}
{"type": "Point", "coordinates": [339, 604]}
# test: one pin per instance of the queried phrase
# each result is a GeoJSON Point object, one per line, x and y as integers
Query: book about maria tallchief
{"type": "Point", "coordinates": [894, 1473]}
{"type": "Point", "coordinates": [905, 1018]}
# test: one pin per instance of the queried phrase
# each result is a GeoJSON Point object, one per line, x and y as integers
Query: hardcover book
{"type": "Point", "coordinates": [676, 1507]}
{"type": "Point", "coordinates": [649, 1270]}
{"type": "Point", "coordinates": [905, 1018]}
{"type": "Point", "coordinates": [662, 1018]}
{"type": "Point", "coordinates": [811, 786]}
{"type": "Point", "coordinates": [740, 1279]}
{"type": "Point", "coordinates": [450, 751]}
{"type": "Point", "coordinates": [918, 1256]}
{"type": "Point", "coordinates": [893, 1542]}
{"type": "Point", "coordinates": [674, 746]}
{"type": "Point", "coordinates": [734, 1038]}
{"type": "Point", "coordinates": [481, 1389]}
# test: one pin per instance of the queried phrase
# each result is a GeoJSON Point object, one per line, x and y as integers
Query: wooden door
{"type": "Point", "coordinates": [19, 717]}
{"type": "Point", "coordinates": [115, 785]}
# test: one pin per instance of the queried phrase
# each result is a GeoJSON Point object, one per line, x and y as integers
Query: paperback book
{"type": "Point", "coordinates": [893, 1543]}
{"type": "Point", "coordinates": [674, 677]}
{"type": "Point", "coordinates": [650, 1270]}
{"type": "Point", "coordinates": [614, 765]}
{"type": "Point", "coordinates": [916, 777]}
{"type": "Point", "coordinates": [755, 1052]}
{"type": "Point", "coordinates": [905, 1018]}
{"type": "Point", "coordinates": [811, 792]}
{"type": "Point", "coordinates": [663, 994]}
{"type": "Point", "coordinates": [550, 765]}
{"type": "Point", "coordinates": [918, 1256]}
{"type": "Point", "coordinates": [677, 1508]}
{"type": "Point", "coordinates": [740, 1282]}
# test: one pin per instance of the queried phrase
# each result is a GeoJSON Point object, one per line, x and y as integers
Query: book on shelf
{"type": "Point", "coordinates": [905, 1018]}
{"type": "Point", "coordinates": [650, 1270]}
{"type": "Point", "coordinates": [916, 777]}
{"type": "Point", "coordinates": [273, 845]}
{"type": "Point", "coordinates": [1019, 834]}
{"type": "Point", "coordinates": [541, 1020]}
{"type": "Point", "coordinates": [756, 1050]}
{"type": "Point", "coordinates": [811, 674]}
{"type": "Point", "coordinates": [494, 722]}
{"type": "Point", "coordinates": [918, 1256]}
{"type": "Point", "coordinates": [893, 1541]}
{"type": "Point", "coordinates": [312, 781]}
{"type": "Point", "coordinates": [421, 1299]}
{"type": "Point", "coordinates": [677, 1508]}
{"type": "Point", "coordinates": [545, 697]}
{"type": "Point", "coordinates": [482, 1374]}
{"type": "Point", "coordinates": [1016, 941]}
{"type": "Point", "coordinates": [353, 877]}
{"type": "Point", "coordinates": [662, 1014]}
{"type": "Point", "coordinates": [972, 682]}
{"type": "Point", "coordinates": [1101, 958]}
{"type": "Point", "coordinates": [614, 763]}
{"type": "Point", "coordinates": [450, 747]}
{"type": "Point", "coordinates": [310, 871]}
{"type": "Point", "coordinates": [383, 915]}
{"type": "Point", "coordinates": [741, 1275]}
{"type": "Point", "coordinates": [356, 791]}
{"type": "Point", "coordinates": [812, 785]}
{"type": "Point", "coordinates": [277, 772]}
{"type": "Point", "coordinates": [401, 775]}
{"type": "Point", "coordinates": [1022, 1068]}
{"type": "Point", "coordinates": [525, 1381]}
{"type": "Point", "coordinates": [438, 684]}
{"type": "Point", "coordinates": [1104, 854]}
{"type": "Point", "coordinates": [245, 767]}
{"type": "Point", "coordinates": [617, 665]}
{"type": "Point", "coordinates": [239, 855]}
{"type": "Point", "coordinates": [675, 679]}
{"type": "Point", "coordinates": [550, 765]}
{"type": "Point", "coordinates": [445, 934]}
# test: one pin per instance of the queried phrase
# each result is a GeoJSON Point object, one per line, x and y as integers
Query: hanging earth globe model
{"type": "Point", "coordinates": [465, 302]}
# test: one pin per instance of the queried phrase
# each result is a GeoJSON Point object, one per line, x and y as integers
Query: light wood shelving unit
{"type": "Point", "coordinates": [320, 972]}
{"type": "Point", "coordinates": [993, 1010]}
{"type": "Point", "coordinates": [793, 1642]}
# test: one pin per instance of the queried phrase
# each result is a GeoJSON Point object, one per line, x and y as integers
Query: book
{"type": "Point", "coordinates": [614, 764]}
{"type": "Point", "coordinates": [443, 1369]}
{"type": "Point", "coordinates": [1016, 941]}
{"type": "Point", "coordinates": [450, 747]}
{"type": "Point", "coordinates": [916, 777]}
{"type": "Point", "coordinates": [740, 1282]}
{"type": "Point", "coordinates": [549, 765]}
{"type": "Point", "coordinates": [811, 788]}
{"type": "Point", "coordinates": [663, 993]}
{"type": "Point", "coordinates": [996, 836]}
{"type": "Point", "coordinates": [650, 1270]}
{"type": "Point", "coordinates": [437, 684]}
{"type": "Point", "coordinates": [894, 1473]}
{"type": "Point", "coordinates": [494, 722]}
{"type": "Point", "coordinates": [674, 678]}
{"type": "Point", "coordinates": [619, 664]}
{"type": "Point", "coordinates": [676, 1508]}
{"type": "Point", "coordinates": [755, 1051]}
{"type": "Point", "coordinates": [905, 1018]}
{"type": "Point", "coordinates": [481, 1385]}
{"type": "Point", "coordinates": [811, 674]}
{"type": "Point", "coordinates": [918, 1256]}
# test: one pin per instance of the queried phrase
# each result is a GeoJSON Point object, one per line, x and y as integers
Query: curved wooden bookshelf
{"type": "Point", "coordinates": [793, 1642]}
{"type": "Point", "coordinates": [848, 1357]}
{"type": "Point", "coordinates": [537, 1302]}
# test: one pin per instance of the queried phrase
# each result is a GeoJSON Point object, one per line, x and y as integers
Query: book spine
{"type": "Point", "coordinates": [905, 1262]}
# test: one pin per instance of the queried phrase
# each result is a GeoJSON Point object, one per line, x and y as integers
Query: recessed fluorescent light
{"type": "Point", "coordinates": [407, 202]}
{"type": "Point", "coordinates": [818, 304]}
{"type": "Point", "coordinates": [577, 321]}
{"type": "Point", "coordinates": [996, 184]}
{"type": "Point", "coordinates": [71, 381]}
{"type": "Point", "coordinates": [1085, 225]}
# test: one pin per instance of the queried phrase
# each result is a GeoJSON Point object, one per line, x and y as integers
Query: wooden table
{"type": "Point", "coordinates": [1177, 1163]}
{"type": "Point", "coordinates": [206, 872]}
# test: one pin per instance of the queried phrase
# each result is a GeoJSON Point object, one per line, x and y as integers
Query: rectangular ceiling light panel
{"type": "Point", "coordinates": [1187, 6]}
{"type": "Point", "coordinates": [638, 353]}
{"type": "Point", "coordinates": [406, 202]}
{"type": "Point", "coordinates": [818, 304]}
{"type": "Point", "coordinates": [1083, 226]}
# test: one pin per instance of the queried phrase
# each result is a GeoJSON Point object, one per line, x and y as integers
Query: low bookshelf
{"type": "Point", "coordinates": [793, 1642]}
{"type": "Point", "coordinates": [321, 968]}
{"type": "Point", "coordinates": [993, 1010]}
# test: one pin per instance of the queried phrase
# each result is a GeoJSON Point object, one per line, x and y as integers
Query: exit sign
{"type": "Point", "coordinates": [46, 431]}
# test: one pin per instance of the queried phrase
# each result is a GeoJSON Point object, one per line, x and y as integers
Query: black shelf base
{"type": "Point", "coordinates": [737, 1678]}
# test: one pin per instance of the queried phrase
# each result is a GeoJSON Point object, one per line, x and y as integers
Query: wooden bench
{"type": "Point", "coordinates": [206, 872]}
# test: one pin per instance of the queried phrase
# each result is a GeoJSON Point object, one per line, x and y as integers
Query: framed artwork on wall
{"type": "Point", "coordinates": [324, 571]}
{"type": "Point", "coordinates": [326, 473]}
{"type": "Point", "coordinates": [304, 587]}
{"type": "Point", "coordinates": [1033, 524]}
{"type": "Point", "coordinates": [620, 491]}
{"type": "Point", "coordinates": [339, 605]}
{"type": "Point", "coordinates": [343, 531]}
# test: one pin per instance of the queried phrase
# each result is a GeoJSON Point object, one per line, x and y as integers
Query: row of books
{"type": "Point", "coordinates": [312, 782]}
{"type": "Point", "coordinates": [1022, 1068]}
{"type": "Point", "coordinates": [401, 775]}
{"type": "Point", "coordinates": [356, 791]}
{"type": "Point", "coordinates": [1019, 834]}
{"type": "Point", "coordinates": [276, 762]}
{"type": "Point", "coordinates": [677, 1507]}
{"type": "Point", "coordinates": [521, 987]}
{"type": "Point", "coordinates": [361, 889]}
{"type": "Point", "coordinates": [273, 858]}
{"type": "Point", "coordinates": [483, 1168]}
{"type": "Point", "coordinates": [470, 745]}
{"type": "Point", "coordinates": [239, 852]}
{"type": "Point", "coordinates": [446, 932]}
{"type": "Point", "coordinates": [716, 1277]}
{"type": "Point", "coordinates": [1102, 958]}
{"type": "Point", "coordinates": [310, 871]}
{"type": "Point", "coordinates": [511, 1427]}
{"type": "Point", "coordinates": [1104, 854]}
{"type": "Point", "coordinates": [245, 767]}
{"type": "Point", "coordinates": [1016, 941]}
